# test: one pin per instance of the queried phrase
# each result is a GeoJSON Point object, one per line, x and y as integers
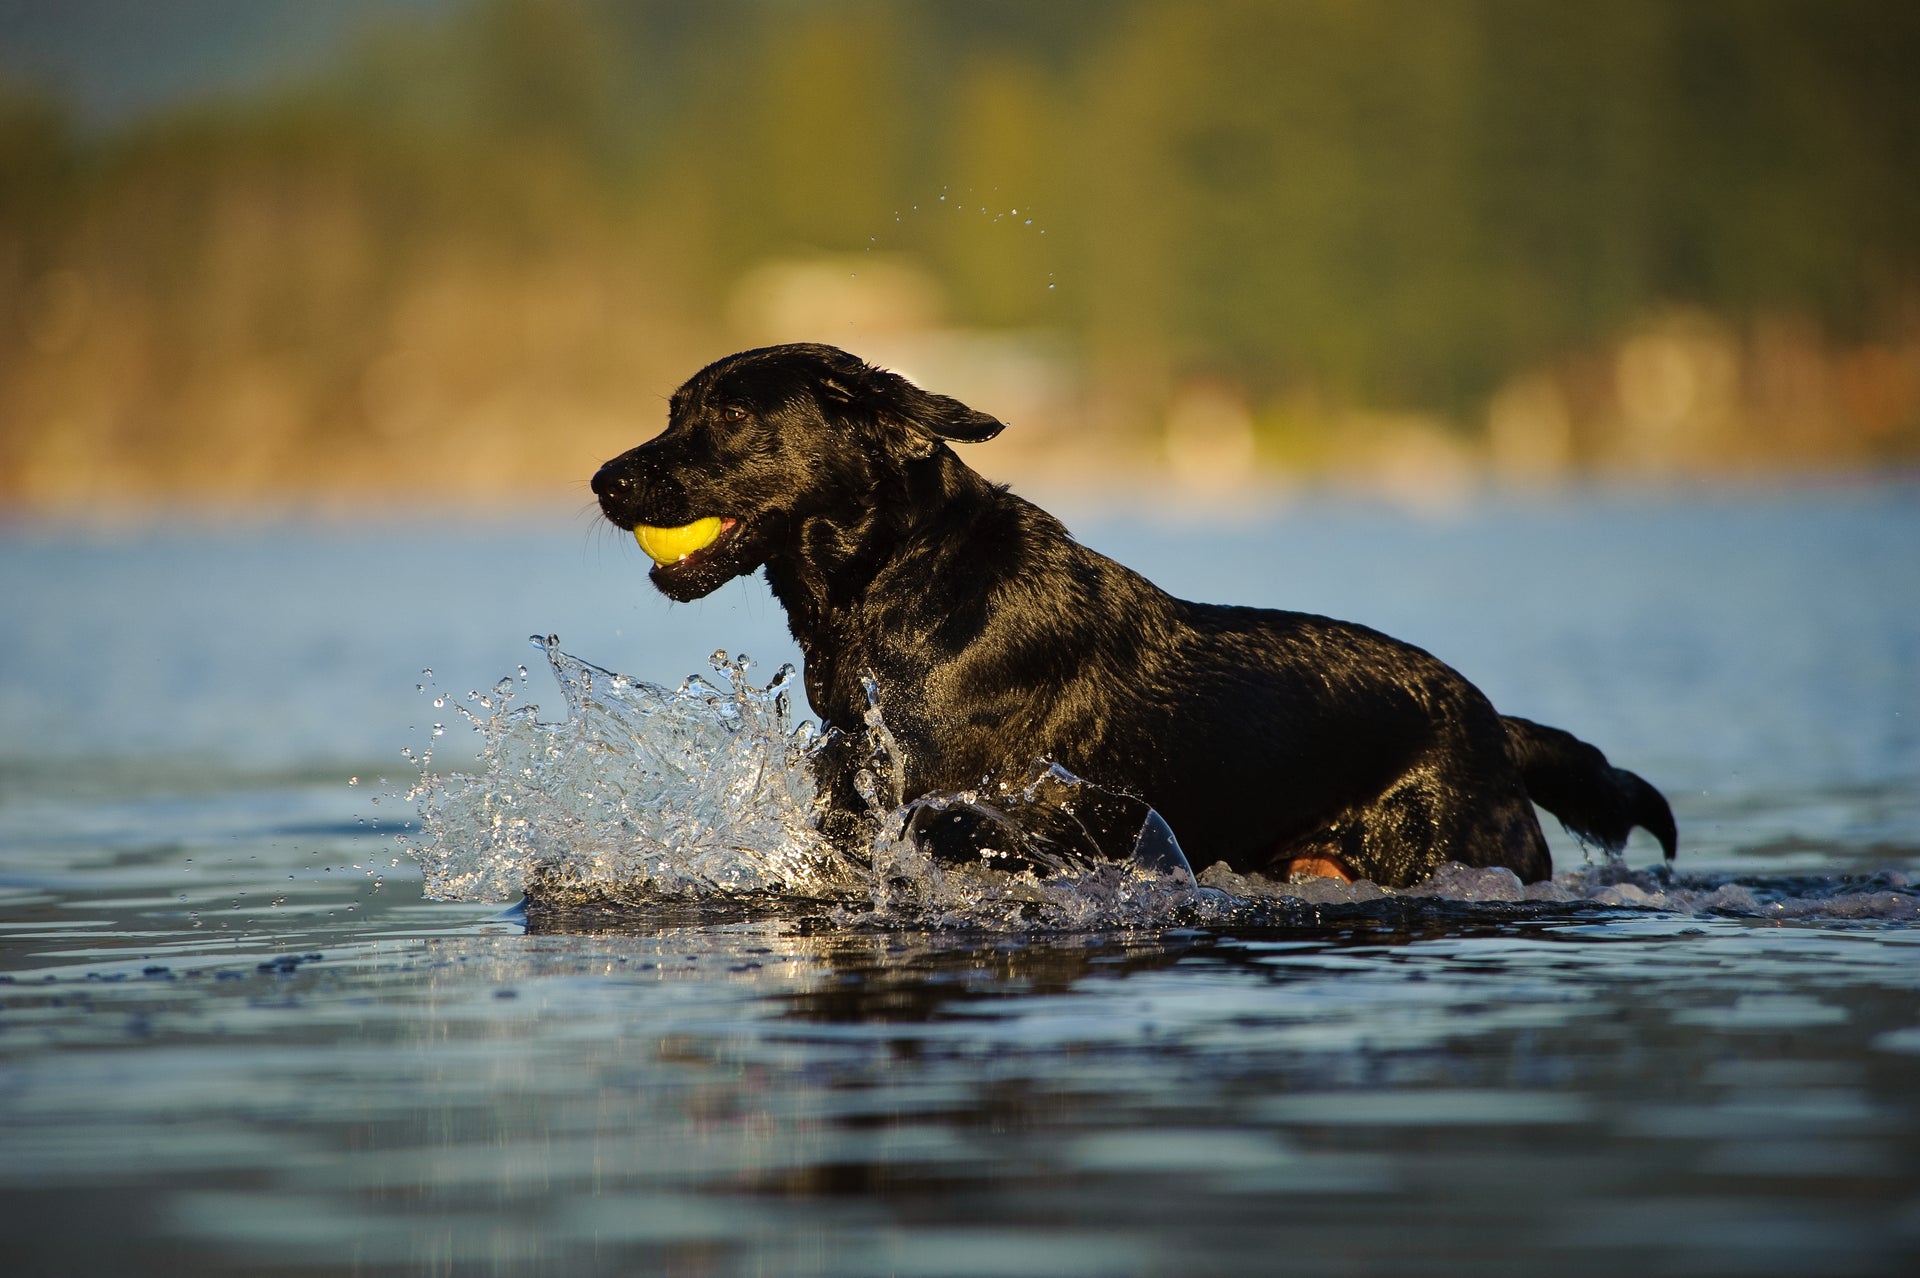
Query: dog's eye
{"type": "Point", "coordinates": [733, 414]}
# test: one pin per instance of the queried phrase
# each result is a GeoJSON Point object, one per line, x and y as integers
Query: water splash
{"type": "Point", "coordinates": [644, 795]}
{"type": "Point", "coordinates": [640, 793]}
{"type": "Point", "coordinates": [648, 796]}
{"type": "Point", "coordinates": [1890, 895]}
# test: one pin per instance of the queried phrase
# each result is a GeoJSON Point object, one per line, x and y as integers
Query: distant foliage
{"type": "Point", "coordinates": [541, 206]}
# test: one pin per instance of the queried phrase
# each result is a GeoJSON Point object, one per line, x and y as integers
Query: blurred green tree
{"type": "Point", "coordinates": [1390, 204]}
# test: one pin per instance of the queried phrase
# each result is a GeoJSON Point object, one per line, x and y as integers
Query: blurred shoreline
{"type": "Point", "coordinates": [1220, 251]}
{"type": "Point", "coordinates": [1133, 494]}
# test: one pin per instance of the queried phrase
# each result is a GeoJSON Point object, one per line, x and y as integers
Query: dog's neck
{"type": "Point", "coordinates": [823, 575]}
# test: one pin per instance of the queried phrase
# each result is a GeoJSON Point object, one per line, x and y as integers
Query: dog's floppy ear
{"type": "Point", "coordinates": [935, 416]}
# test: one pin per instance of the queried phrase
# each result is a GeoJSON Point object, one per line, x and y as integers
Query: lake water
{"type": "Point", "coordinates": [236, 1037]}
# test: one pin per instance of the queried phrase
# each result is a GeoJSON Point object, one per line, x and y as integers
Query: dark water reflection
{"type": "Point", "coordinates": [1678, 1095]}
{"type": "Point", "coordinates": [234, 1039]}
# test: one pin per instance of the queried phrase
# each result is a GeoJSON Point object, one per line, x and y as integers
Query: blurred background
{"type": "Point", "coordinates": [349, 251]}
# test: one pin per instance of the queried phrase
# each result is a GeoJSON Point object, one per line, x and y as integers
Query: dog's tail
{"type": "Point", "coordinates": [1595, 800]}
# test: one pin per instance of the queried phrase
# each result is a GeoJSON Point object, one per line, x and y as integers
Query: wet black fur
{"type": "Point", "coordinates": [997, 639]}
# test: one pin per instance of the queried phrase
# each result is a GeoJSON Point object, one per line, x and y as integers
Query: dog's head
{"type": "Point", "coordinates": [761, 444]}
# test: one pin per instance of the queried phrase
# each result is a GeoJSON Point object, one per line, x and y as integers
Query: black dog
{"type": "Point", "coordinates": [1277, 742]}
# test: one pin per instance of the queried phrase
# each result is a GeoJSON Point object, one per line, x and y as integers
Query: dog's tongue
{"type": "Point", "coordinates": [670, 545]}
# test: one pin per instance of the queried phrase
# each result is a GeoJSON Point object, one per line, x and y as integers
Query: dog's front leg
{"type": "Point", "coordinates": [848, 820]}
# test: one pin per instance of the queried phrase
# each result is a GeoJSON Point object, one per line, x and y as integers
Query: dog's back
{"type": "Point", "coordinates": [1262, 736]}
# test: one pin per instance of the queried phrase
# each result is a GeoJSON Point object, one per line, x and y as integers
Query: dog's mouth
{"type": "Point", "coordinates": [687, 544]}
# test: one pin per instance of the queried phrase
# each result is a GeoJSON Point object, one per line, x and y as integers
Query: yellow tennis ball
{"type": "Point", "coordinates": [671, 545]}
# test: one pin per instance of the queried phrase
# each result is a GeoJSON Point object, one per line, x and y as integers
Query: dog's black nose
{"type": "Point", "coordinates": [608, 480]}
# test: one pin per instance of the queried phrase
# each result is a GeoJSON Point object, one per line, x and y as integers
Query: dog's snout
{"type": "Point", "coordinates": [610, 480]}
{"type": "Point", "coordinates": [617, 486]}
{"type": "Point", "coordinates": [636, 488]}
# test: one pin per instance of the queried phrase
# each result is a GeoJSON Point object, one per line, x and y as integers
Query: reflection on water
{"type": "Point", "coordinates": [1583, 1093]}
{"type": "Point", "coordinates": [235, 1037]}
